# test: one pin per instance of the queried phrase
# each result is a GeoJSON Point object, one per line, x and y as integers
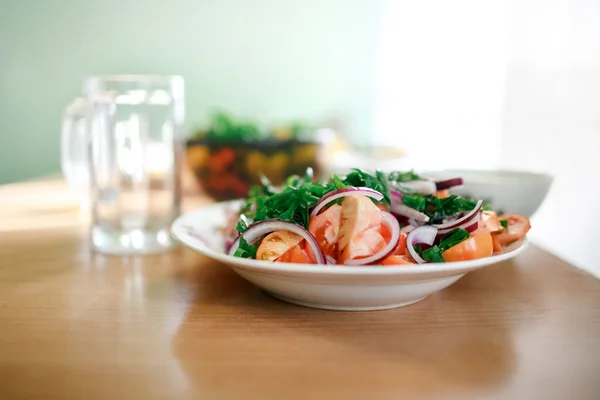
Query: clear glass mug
{"type": "Point", "coordinates": [122, 143]}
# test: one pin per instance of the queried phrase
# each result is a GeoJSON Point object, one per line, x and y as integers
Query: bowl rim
{"type": "Point", "coordinates": [513, 172]}
{"type": "Point", "coordinates": [180, 229]}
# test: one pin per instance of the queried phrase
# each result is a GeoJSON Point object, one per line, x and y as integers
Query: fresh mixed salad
{"type": "Point", "coordinates": [362, 218]}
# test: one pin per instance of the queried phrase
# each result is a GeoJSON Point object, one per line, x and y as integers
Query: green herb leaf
{"type": "Point", "coordinates": [450, 239]}
{"type": "Point", "coordinates": [433, 254]}
{"type": "Point", "coordinates": [416, 201]}
{"type": "Point", "coordinates": [337, 182]}
{"type": "Point", "coordinates": [245, 250]}
{"type": "Point", "coordinates": [504, 223]}
{"type": "Point", "coordinates": [379, 182]}
{"type": "Point", "coordinates": [242, 224]}
{"type": "Point", "coordinates": [404, 176]}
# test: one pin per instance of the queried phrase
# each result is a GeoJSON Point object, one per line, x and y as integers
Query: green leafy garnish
{"type": "Point", "coordinates": [337, 182]}
{"type": "Point", "coordinates": [404, 176]}
{"type": "Point", "coordinates": [416, 201]}
{"type": "Point", "coordinates": [504, 223]}
{"type": "Point", "coordinates": [378, 182]}
{"type": "Point", "coordinates": [292, 203]}
{"type": "Point", "coordinates": [242, 224]}
{"type": "Point", "coordinates": [450, 239]}
{"type": "Point", "coordinates": [245, 250]}
{"type": "Point", "coordinates": [436, 208]}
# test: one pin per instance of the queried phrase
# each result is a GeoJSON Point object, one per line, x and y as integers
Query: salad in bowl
{"type": "Point", "coordinates": [367, 219]}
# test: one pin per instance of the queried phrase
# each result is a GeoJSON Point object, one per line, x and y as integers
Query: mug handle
{"type": "Point", "coordinates": [74, 146]}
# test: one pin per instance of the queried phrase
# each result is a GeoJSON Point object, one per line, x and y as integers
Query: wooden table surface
{"type": "Point", "coordinates": [79, 325]}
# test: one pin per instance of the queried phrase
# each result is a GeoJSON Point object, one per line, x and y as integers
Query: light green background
{"type": "Point", "coordinates": [269, 59]}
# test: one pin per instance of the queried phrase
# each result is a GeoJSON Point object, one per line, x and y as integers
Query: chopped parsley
{"type": "Point", "coordinates": [450, 239]}
{"type": "Point", "coordinates": [408, 176]}
{"type": "Point", "coordinates": [504, 223]}
{"type": "Point", "coordinates": [246, 250]}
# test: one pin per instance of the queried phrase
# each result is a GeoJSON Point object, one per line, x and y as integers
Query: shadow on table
{"type": "Point", "coordinates": [235, 340]}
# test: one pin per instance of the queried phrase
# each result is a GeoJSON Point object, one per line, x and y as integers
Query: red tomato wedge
{"type": "Point", "coordinates": [442, 194]}
{"type": "Point", "coordinates": [475, 247]}
{"type": "Point", "coordinates": [397, 260]}
{"type": "Point", "coordinates": [325, 227]}
{"type": "Point", "coordinates": [275, 244]}
{"type": "Point", "coordinates": [518, 226]}
{"type": "Point", "coordinates": [489, 222]}
{"type": "Point", "coordinates": [496, 243]}
{"type": "Point", "coordinates": [295, 255]}
{"type": "Point", "coordinates": [359, 234]}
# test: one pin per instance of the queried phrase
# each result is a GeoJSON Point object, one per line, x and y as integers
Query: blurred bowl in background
{"type": "Point", "coordinates": [230, 155]}
{"type": "Point", "coordinates": [226, 169]}
{"type": "Point", "coordinates": [507, 191]}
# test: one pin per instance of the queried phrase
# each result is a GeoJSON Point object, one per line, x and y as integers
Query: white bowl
{"type": "Point", "coordinates": [328, 287]}
{"type": "Point", "coordinates": [508, 191]}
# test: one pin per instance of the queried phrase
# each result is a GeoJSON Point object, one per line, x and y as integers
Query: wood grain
{"type": "Point", "coordinates": [79, 325]}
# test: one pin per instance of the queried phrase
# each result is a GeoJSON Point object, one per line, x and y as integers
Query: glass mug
{"type": "Point", "coordinates": [122, 143]}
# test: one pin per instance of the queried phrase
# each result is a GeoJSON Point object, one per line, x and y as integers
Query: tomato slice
{"type": "Point", "coordinates": [442, 194]}
{"type": "Point", "coordinates": [325, 227]}
{"type": "Point", "coordinates": [360, 225]}
{"type": "Point", "coordinates": [478, 246]}
{"type": "Point", "coordinates": [401, 246]}
{"type": "Point", "coordinates": [295, 255]}
{"type": "Point", "coordinates": [518, 226]}
{"type": "Point", "coordinates": [489, 222]}
{"type": "Point", "coordinates": [276, 244]}
{"type": "Point", "coordinates": [397, 260]}
{"type": "Point", "coordinates": [496, 243]}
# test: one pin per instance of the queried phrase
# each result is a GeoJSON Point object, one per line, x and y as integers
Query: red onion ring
{"type": "Point", "coordinates": [470, 226]}
{"type": "Point", "coordinates": [350, 191]}
{"type": "Point", "coordinates": [406, 211]}
{"type": "Point", "coordinates": [407, 229]}
{"type": "Point", "coordinates": [470, 215]}
{"type": "Point", "coordinates": [401, 211]}
{"type": "Point", "coordinates": [392, 223]}
{"type": "Point", "coordinates": [228, 242]}
{"type": "Point", "coordinates": [449, 183]}
{"type": "Point", "coordinates": [414, 223]}
{"type": "Point", "coordinates": [258, 229]}
{"type": "Point", "coordinates": [330, 260]}
{"type": "Point", "coordinates": [396, 194]}
{"type": "Point", "coordinates": [422, 234]}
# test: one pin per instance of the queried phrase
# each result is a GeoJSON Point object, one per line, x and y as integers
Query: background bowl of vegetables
{"type": "Point", "coordinates": [229, 156]}
{"type": "Point", "coordinates": [510, 191]}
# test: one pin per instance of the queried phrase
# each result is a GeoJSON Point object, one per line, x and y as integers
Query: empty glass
{"type": "Point", "coordinates": [122, 142]}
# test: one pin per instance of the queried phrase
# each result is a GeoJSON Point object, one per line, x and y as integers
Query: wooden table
{"type": "Point", "coordinates": [80, 325]}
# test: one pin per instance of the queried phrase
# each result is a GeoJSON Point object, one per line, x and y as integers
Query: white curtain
{"type": "Point", "coordinates": [486, 84]}
{"type": "Point", "coordinates": [440, 80]}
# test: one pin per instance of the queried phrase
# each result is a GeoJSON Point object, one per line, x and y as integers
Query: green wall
{"type": "Point", "coordinates": [268, 59]}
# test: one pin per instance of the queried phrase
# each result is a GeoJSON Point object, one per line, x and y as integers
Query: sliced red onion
{"type": "Point", "coordinates": [415, 223]}
{"type": "Point", "coordinates": [408, 212]}
{"type": "Point", "coordinates": [228, 242]}
{"type": "Point", "coordinates": [468, 217]}
{"type": "Point", "coordinates": [423, 187]}
{"type": "Point", "coordinates": [258, 229]}
{"type": "Point", "coordinates": [396, 195]}
{"type": "Point", "coordinates": [469, 226]}
{"type": "Point", "coordinates": [392, 223]}
{"type": "Point", "coordinates": [330, 260]}
{"type": "Point", "coordinates": [407, 229]}
{"type": "Point", "coordinates": [423, 234]}
{"type": "Point", "coordinates": [449, 183]}
{"type": "Point", "coordinates": [351, 191]}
